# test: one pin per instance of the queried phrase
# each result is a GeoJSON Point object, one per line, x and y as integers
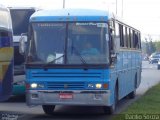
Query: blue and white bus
{"type": "Point", "coordinates": [6, 54]}
{"type": "Point", "coordinates": [59, 72]}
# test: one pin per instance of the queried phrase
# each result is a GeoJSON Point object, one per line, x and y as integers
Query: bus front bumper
{"type": "Point", "coordinates": [89, 98]}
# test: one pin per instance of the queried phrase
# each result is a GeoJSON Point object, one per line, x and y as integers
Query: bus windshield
{"type": "Point", "coordinates": [69, 43]}
{"type": "Point", "coordinates": [20, 20]}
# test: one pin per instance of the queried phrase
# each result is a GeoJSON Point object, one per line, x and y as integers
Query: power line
{"type": "Point", "coordinates": [64, 3]}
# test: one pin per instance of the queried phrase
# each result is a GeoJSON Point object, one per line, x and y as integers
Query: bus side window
{"type": "Point", "coordinates": [112, 33]}
{"type": "Point", "coordinates": [139, 40]}
{"type": "Point", "coordinates": [128, 37]}
{"type": "Point", "coordinates": [125, 36]}
{"type": "Point", "coordinates": [136, 40]}
{"type": "Point", "coordinates": [4, 34]}
{"type": "Point", "coordinates": [121, 36]}
{"type": "Point", "coordinates": [0, 39]}
{"type": "Point", "coordinates": [4, 38]}
{"type": "Point", "coordinates": [117, 35]}
{"type": "Point", "coordinates": [133, 42]}
{"type": "Point", "coordinates": [131, 38]}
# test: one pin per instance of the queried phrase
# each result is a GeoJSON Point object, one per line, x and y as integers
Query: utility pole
{"type": "Point", "coordinates": [122, 9]}
{"type": "Point", "coordinates": [122, 2]}
{"type": "Point", "coordinates": [63, 3]}
{"type": "Point", "coordinates": [116, 6]}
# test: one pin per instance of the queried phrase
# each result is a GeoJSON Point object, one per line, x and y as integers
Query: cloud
{"type": "Point", "coordinates": [142, 14]}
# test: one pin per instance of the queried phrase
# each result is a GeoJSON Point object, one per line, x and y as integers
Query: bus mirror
{"type": "Point", "coordinates": [116, 44]}
{"type": "Point", "coordinates": [22, 45]}
{"type": "Point", "coordinates": [24, 34]}
{"type": "Point", "coordinates": [113, 57]}
{"type": "Point", "coordinates": [107, 37]}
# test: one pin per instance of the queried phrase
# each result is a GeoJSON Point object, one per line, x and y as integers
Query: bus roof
{"type": "Point", "coordinates": [21, 7]}
{"type": "Point", "coordinates": [3, 8]}
{"type": "Point", "coordinates": [5, 21]}
{"type": "Point", "coordinates": [70, 15]}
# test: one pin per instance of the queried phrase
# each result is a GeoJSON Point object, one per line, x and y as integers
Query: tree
{"type": "Point", "coordinates": [152, 47]}
{"type": "Point", "coordinates": [149, 47]}
{"type": "Point", "coordinates": [143, 45]}
{"type": "Point", "coordinates": [157, 46]}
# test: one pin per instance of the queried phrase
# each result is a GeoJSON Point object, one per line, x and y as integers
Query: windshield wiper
{"type": "Point", "coordinates": [79, 55]}
{"type": "Point", "coordinates": [53, 61]}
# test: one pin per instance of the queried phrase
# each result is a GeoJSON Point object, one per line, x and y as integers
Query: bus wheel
{"type": "Point", "coordinates": [132, 94]}
{"type": "Point", "coordinates": [158, 67]}
{"type": "Point", "coordinates": [48, 109]}
{"type": "Point", "coordinates": [111, 109]}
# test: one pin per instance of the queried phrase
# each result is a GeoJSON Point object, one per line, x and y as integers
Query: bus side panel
{"type": "Point", "coordinates": [112, 84]}
{"type": "Point", "coordinates": [131, 72]}
{"type": "Point", "coordinates": [128, 65]}
{"type": "Point", "coordinates": [7, 81]}
{"type": "Point", "coordinates": [6, 72]}
{"type": "Point", "coordinates": [139, 68]}
{"type": "Point", "coordinates": [122, 74]}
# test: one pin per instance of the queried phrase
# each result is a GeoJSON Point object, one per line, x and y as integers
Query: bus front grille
{"type": "Point", "coordinates": [67, 75]}
{"type": "Point", "coordinates": [65, 85]}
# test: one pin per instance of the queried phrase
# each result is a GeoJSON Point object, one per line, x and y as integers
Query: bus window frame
{"type": "Point", "coordinates": [130, 38]}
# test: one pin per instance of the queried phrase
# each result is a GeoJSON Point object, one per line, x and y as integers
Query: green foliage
{"type": "Point", "coordinates": [148, 47]}
{"type": "Point", "coordinates": [143, 44]}
{"type": "Point", "coordinates": [147, 104]}
{"type": "Point", "coordinates": [157, 46]}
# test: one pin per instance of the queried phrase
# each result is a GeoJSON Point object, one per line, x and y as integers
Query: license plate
{"type": "Point", "coordinates": [65, 96]}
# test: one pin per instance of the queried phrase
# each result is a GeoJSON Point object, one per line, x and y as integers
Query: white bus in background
{"type": "Point", "coordinates": [20, 21]}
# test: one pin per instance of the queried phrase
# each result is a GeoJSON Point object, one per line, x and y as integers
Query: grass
{"type": "Point", "coordinates": [148, 104]}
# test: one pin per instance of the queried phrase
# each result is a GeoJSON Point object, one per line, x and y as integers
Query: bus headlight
{"type": "Point", "coordinates": [98, 85]}
{"type": "Point", "coordinates": [34, 85]}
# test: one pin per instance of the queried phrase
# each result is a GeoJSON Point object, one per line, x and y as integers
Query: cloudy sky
{"type": "Point", "coordinates": [142, 14]}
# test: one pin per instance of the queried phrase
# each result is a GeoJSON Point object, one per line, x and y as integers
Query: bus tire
{"type": "Point", "coordinates": [48, 109]}
{"type": "Point", "coordinates": [132, 95]}
{"type": "Point", "coordinates": [158, 67]}
{"type": "Point", "coordinates": [111, 109]}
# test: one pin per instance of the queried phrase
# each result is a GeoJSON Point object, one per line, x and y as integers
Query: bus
{"type": "Point", "coordinates": [6, 54]}
{"type": "Point", "coordinates": [58, 73]}
{"type": "Point", "coordinates": [20, 21]}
